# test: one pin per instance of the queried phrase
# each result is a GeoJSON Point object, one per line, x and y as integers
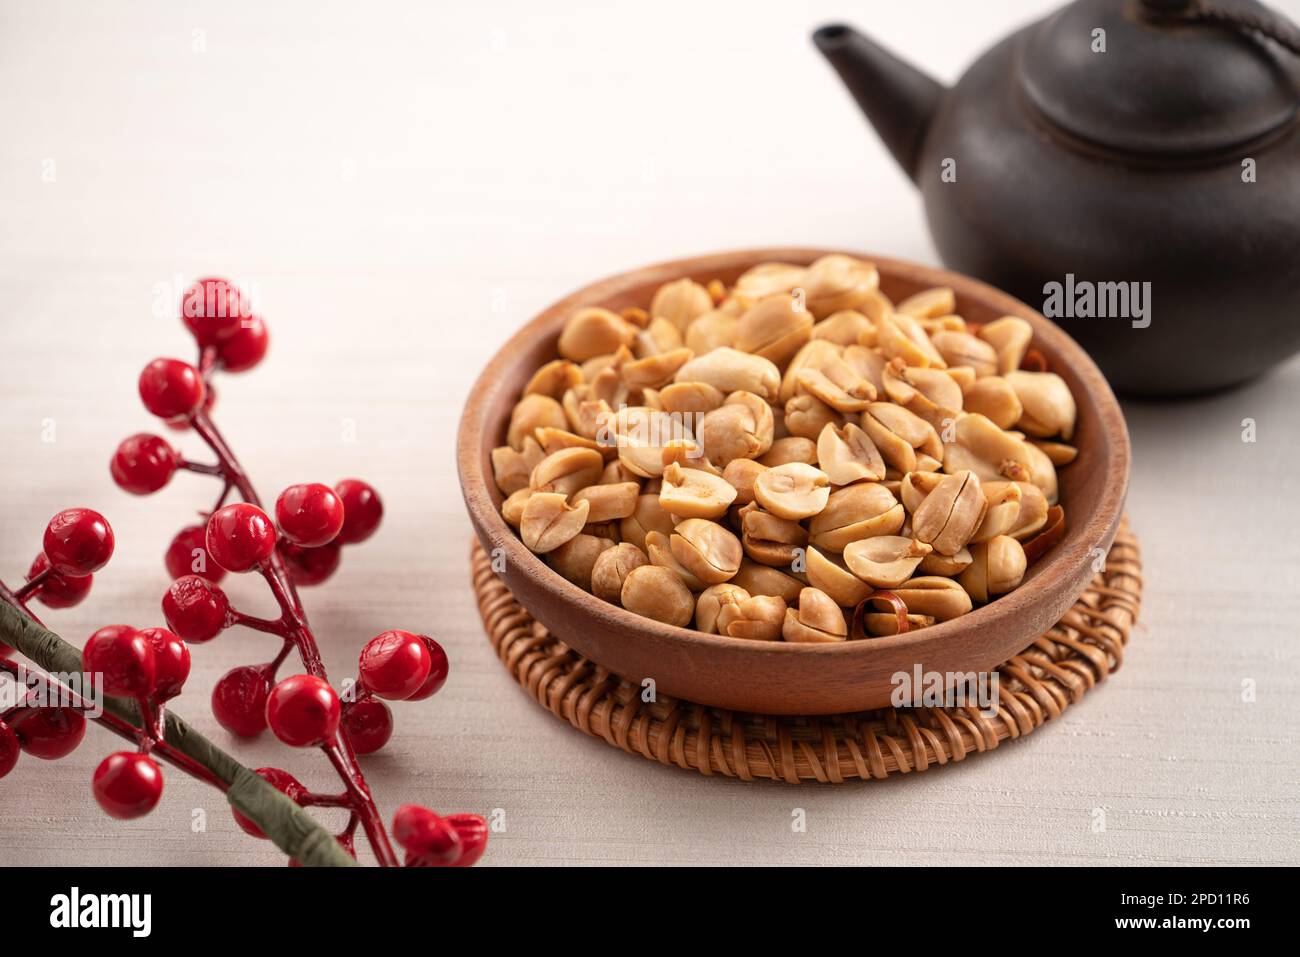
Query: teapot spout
{"type": "Point", "coordinates": [898, 99]}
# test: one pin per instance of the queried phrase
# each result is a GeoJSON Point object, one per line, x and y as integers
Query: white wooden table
{"type": "Point", "coordinates": [402, 186]}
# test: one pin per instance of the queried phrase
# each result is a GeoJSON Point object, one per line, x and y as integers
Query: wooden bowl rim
{"type": "Point", "coordinates": [1074, 549]}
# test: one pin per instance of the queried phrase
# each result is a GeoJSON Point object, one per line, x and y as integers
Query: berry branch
{"type": "Point", "coordinates": [49, 731]}
{"type": "Point", "coordinates": [302, 547]}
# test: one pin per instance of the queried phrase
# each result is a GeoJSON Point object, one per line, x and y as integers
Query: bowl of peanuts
{"type": "Point", "coordinates": [783, 480]}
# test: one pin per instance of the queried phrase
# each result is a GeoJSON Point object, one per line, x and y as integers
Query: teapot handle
{"type": "Point", "coordinates": [1238, 14]}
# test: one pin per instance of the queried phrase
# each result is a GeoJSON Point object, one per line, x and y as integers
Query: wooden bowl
{"type": "Point", "coordinates": [775, 677]}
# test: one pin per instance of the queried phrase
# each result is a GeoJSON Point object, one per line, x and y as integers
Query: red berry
{"type": "Point", "coordinates": [123, 659]}
{"type": "Point", "coordinates": [188, 555]}
{"type": "Point", "coordinates": [212, 309]}
{"type": "Point", "coordinates": [78, 541]}
{"type": "Point", "coordinates": [127, 784]}
{"type": "Point", "coordinates": [430, 841]}
{"type": "Point", "coordinates": [171, 662]}
{"type": "Point", "coordinates": [171, 389]}
{"type": "Point", "coordinates": [311, 566]}
{"type": "Point", "coordinates": [310, 514]}
{"type": "Point", "coordinates": [246, 347]}
{"type": "Point", "coordinates": [49, 733]}
{"type": "Point", "coordinates": [58, 591]}
{"type": "Point", "coordinates": [439, 666]}
{"type": "Point", "coordinates": [473, 831]}
{"type": "Point", "coordinates": [9, 749]}
{"type": "Point", "coordinates": [282, 781]}
{"type": "Point", "coordinates": [209, 400]}
{"type": "Point", "coordinates": [239, 700]}
{"type": "Point", "coordinates": [240, 537]}
{"type": "Point", "coordinates": [394, 665]}
{"type": "Point", "coordinates": [143, 463]}
{"type": "Point", "coordinates": [303, 711]}
{"type": "Point", "coordinates": [368, 725]}
{"type": "Point", "coordinates": [195, 608]}
{"type": "Point", "coordinates": [362, 511]}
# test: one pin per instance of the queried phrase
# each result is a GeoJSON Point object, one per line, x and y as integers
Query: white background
{"type": "Point", "coordinates": [402, 185]}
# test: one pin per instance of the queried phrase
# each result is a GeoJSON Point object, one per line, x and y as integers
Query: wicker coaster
{"type": "Point", "coordinates": [1085, 646]}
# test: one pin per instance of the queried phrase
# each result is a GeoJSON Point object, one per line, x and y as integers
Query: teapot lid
{"type": "Point", "coordinates": [1168, 77]}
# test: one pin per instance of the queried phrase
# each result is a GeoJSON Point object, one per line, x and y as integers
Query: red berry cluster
{"type": "Point", "coordinates": [150, 666]}
{"type": "Point", "coordinates": [78, 542]}
{"type": "Point", "coordinates": [301, 546]}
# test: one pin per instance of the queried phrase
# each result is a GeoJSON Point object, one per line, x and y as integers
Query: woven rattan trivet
{"type": "Point", "coordinates": [1054, 672]}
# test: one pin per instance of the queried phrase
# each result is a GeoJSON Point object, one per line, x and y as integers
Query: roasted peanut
{"type": "Point", "coordinates": [1010, 337]}
{"type": "Point", "coordinates": [793, 490]}
{"type": "Point", "coordinates": [929, 303]}
{"type": "Point", "coordinates": [769, 279]}
{"type": "Point", "coordinates": [837, 384]}
{"type": "Point", "coordinates": [931, 394]}
{"type": "Point", "coordinates": [848, 327]}
{"type": "Point", "coordinates": [839, 282]}
{"type": "Point", "coordinates": [567, 471]}
{"type": "Point", "coordinates": [741, 428]}
{"type": "Point", "coordinates": [648, 516]}
{"type": "Point", "coordinates": [950, 515]}
{"type": "Point", "coordinates": [1048, 404]}
{"type": "Point", "coordinates": [979, 445]}
{"type": "Point", "coordinates": [690, 398]}
{"type": "Point", "coordinates": [711, 601]}
{"type": "Point", "coordinates": [554, 379]}
{"type": "Point", "coordinates": [764, 580]}
{"type": "Point", "coordinates": [935, 597]}
{"type": "Point", "coordinates": [900, 336]}
{"type": "Point", "coordinates": [680, 302]}
{"type": "Point", "coordinates": [774, 328]}
{"type": "Point", "coordinates": [885, 561]}
{"type": "Point", "coordinates": [818, 619]}
{"type": "Point", "coordinates": [707, 550]}
{"type": "Point", "coordinates": [511, 467]}
{"type": "Point", "coordinates": [998, 566]}
{"type": "Point", "coordinates": [992, 396]}
{"type": "Point", "coordinates": [793, 449]}
{"type": "Point", "coordinates": [658, 593]}
{"type": "Point", "coordinates": [806, 416]}
{"type": "Point", "coordinates": [769, 539]}
{"type": "Point", "coordinates": [531, 413]}
{"type": "Point", "coordinates": [741, 474]}
{"type": "Point", "coordinates": [848, 455]}
{"type": "Point", "coordinates": [758, 618]}
{"type": "Point", "coordinates": [693, 493]}
{"type": "Point", "coordinates": [835, 579]}
{"type": "Point", "coordinates": [609, 502]}
{"type": "Point", "coordinates": [854, 512]}
{"type": "Point", "coordinates": [576, 558]}
{"type": "Point", "coordinates": [512, 509]}
{"type": "Point", "coordinates": [729, 370]}
{"type": "Point", "coordinates": [658, 548]}
{"type": "Point", "coordinates": [713, 330]}
{"type": "Point", "coordinates": [899, 435]}
{"type": "Point", "coordinates": [548, 521]}
{"type": "Point", "coordinates": [593, 332]}
{"type": "Point", "coordinates": [963, 349]}
{"type": "Point", "coordinates": [1002, 512]}
{"type": "Point", "coordinates": [654, 371]}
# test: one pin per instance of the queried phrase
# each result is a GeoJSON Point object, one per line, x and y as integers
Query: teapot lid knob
{"type": "Point", "coordinates": [1163, 77]}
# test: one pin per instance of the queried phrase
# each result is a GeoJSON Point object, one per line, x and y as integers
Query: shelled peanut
{"type": "Point", "coordinates": [792, 458]}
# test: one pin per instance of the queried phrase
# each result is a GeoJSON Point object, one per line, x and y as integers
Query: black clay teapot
{"type": "Point", "coordinates": [1129, 167]}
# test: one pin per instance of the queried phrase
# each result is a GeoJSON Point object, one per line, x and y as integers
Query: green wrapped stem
{"type": "Point", "coordinates": [287, 825]}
